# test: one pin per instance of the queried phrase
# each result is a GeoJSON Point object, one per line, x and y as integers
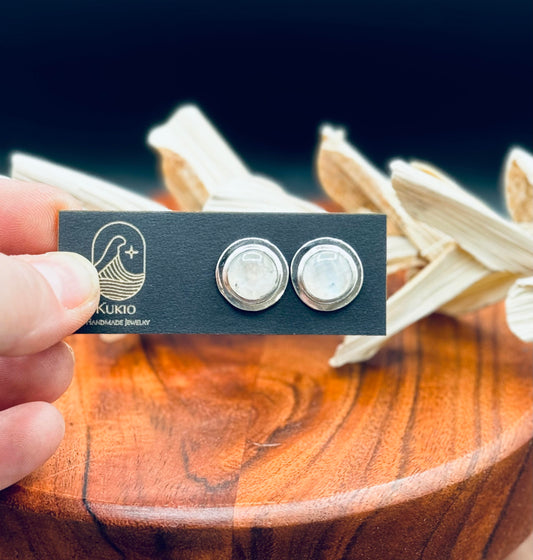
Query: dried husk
{"type": "Point", "coordinates": [91, 192]}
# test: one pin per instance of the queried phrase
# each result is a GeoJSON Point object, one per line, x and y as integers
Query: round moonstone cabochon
{"type": "Point", "coordinates": [326, 273]}
{"type": "Point", "coordinates": [252, 274]}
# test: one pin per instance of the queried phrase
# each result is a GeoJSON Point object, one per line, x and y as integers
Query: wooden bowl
{"type": "Point", "coordinates": [218, 447]}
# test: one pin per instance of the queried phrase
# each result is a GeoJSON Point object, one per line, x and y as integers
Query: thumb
{"type": "Point", "coordinates": [44, 298]}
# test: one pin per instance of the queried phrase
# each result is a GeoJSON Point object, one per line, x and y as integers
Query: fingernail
{"type": "Point", "coordinates": [70, 349]}
{"type": "Point", "coordinates": [109, 338]}
{"type": "Point", "coordinates": [73, 278]}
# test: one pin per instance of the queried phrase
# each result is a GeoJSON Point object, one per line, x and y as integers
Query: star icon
{"type": "Point", "coordinates": [131, 251]}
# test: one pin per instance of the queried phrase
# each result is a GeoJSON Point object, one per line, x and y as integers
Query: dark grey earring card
{"type": "Point", "coordinates": [157, 271]}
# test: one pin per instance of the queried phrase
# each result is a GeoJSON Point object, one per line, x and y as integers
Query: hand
{"type": "Point", "coordinates": [43, 298]}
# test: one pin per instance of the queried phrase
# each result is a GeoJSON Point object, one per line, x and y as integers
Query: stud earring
{"type": "Point", "coordinates": [326, 273]}
{"type": "Point", "coordinates": [252, 274]}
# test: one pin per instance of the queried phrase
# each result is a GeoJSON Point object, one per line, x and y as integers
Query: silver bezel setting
{"type": "Point", "coordinates": [301, 258]}
{"type": "Point", "coordinates": [234, 250]}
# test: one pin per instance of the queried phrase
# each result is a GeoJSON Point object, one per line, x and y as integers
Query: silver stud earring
{"type": "Point", "coordinates": [326, 273]}
{"type": "Point", "coordinates": [252, 274]}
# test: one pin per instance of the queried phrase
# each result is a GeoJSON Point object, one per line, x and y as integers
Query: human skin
{"type": "Point", "coordinates": [44, 296]}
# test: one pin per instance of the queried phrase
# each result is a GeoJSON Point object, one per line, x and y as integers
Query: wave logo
{"type": "Point", "coordinates": [119, 255]}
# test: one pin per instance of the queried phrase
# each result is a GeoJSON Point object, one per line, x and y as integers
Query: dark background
{"type": "Point", "coordinates": [445, 81]}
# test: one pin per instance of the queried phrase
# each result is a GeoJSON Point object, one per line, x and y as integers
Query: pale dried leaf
{"type": "Point", "coordinates": [401, 254]}
{"type": "Point", "coordinates": [489, 290]}
{"type": "Point", "coordinates": [195, 158]}
{"type": "Point", "coordinates": [256, 194]}
{"type": "Point", "coordinates": [444, 278]}
{"type": "Point", "coordinates": [528, 228]}
{"type": "Point", "coordinates": [497, 243]}
{"type": "Point", "coordinates": [519, 307]}
{"type": "Point", "coordinates": [524, 551]}
{"type": "Point", "coordinates": [353, 182]}
{"type": "Point", "coordinates": [347, 177]}
{"type": "Point", "coordinates": [204, 173]}
{"type": "Point", "coordinates": [518, 185]}
{"type": "Point", "coordinates": [494, 286]}
{"type": "Point", "coordinates": [93, 193]}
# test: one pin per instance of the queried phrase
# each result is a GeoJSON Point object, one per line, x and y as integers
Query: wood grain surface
{"type": "Point", "coordinates": [248, 447]}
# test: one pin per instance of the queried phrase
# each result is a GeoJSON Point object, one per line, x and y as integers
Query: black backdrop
{"type": "Point", "coordinates": [448, 81]}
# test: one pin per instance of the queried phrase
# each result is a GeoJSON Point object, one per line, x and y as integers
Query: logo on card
{"type": "Point", "coordinates": [119, 255]}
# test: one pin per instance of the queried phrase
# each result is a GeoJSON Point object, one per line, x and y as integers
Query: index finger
{"type": "Point", "coordinates": [28, 216]}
